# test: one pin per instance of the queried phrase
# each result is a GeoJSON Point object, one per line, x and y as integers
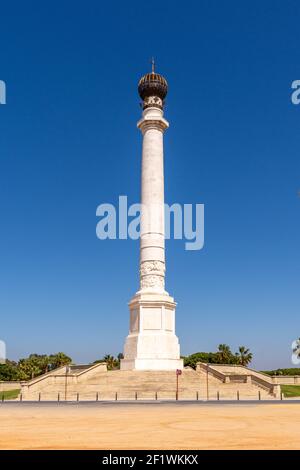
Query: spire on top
{"type": "Point", "coordinates": [153, 65]}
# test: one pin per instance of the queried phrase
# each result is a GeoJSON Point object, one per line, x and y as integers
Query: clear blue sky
{"type": "Point", "coordinates": [69, 142]}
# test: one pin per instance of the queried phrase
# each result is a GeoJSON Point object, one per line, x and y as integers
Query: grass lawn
{"type": "Point", "coordinates": [290, 390]}
{"type": "Point", "coordinates": [10, 394]}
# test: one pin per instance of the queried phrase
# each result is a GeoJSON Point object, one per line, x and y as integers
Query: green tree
{"type": "Point", "coordinates": [37, 364]}
{"type": "Point", "coordinates": [191, 361]}
{"type": "Point", "coordinates": [41, 361]}
{"type": "Point", "coordinates": [291, 371]}
{"type": "Point", "coordinates": [244, 356]}
{"type": "Point", "coordinates": [58, 360]}
{"type": "Point", "coordinates": [224, 354]}
{"type": "Point", "coordinates": [30, 367]}
{"type": "Point", "coordinates": [111, 361]}
{"type": "Point", "coordinates": [9, 371]}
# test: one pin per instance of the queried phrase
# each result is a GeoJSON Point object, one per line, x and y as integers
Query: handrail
{"type": "Point", "coordinates": [255, 376]}
{"type": "Point", "coordinates": [42, 377]}
{"type": "Point", "coordinates": [263, 383]}
{"type": "Point", "coordinates": [54, 374]}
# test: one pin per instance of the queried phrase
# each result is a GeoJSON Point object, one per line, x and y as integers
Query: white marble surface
{"type": "Point", "coordinates": [152, 343]}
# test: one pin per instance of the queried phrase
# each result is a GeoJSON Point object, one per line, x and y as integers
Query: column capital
{"type": "Point", "coordinates": [147, 123]}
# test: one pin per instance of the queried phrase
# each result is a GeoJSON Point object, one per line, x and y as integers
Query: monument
{"type": "Point", "coordinates": [151, 343]}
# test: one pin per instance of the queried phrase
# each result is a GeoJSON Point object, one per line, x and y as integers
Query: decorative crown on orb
{"type": "Point", "coordinates": [153, 89]}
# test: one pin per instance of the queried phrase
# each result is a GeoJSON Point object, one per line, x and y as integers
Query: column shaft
{"type": "Point", "coordinates": [152, 244]}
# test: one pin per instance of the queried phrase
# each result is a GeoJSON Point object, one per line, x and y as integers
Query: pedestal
{"type": "Point", "coordinates": [152, 343]}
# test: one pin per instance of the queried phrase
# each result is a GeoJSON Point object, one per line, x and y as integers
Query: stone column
{"type": "Point", "coordinates": [152, 244]}
{"type": "Point", "coordinates": [152, 343]}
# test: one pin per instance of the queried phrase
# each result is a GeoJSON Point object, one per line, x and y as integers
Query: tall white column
{"type": "Point", "coordinates": [152, 343]}
{"type": "Point", "coordinates": [152, 245]}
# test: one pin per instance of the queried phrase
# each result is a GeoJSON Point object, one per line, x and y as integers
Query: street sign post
{"type": "Point", "coordinates": [178, 373]}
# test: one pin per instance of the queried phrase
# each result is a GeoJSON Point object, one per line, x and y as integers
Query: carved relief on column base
{"type": "Point", "coordinates": [152, 275]}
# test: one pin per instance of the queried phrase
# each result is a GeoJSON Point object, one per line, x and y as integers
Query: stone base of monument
{"type": "Point", "coordinates": [95, 382]}
{"type": "Point", "coordinates": [152, 343]}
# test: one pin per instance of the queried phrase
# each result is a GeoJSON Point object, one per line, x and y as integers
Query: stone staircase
{"type": "Point", "coordinates": [95, 382]}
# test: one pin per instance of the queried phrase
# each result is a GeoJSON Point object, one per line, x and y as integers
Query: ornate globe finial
{"type": "Point", "coordinates": [153, 89]}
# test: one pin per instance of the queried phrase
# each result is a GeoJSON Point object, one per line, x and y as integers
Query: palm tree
{"type": "Point", "coordinates": [28, 368]}
{"type": "Point", "coordinates": [224, 354]}
{"type": "Point", "coordinates": [59, 359]}
{"type": "Point", "coordinates": [111, 361]}
{"type": "Point", "coordinates": [244, 356]}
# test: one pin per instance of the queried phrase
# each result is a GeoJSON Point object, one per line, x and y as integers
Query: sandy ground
{"type": "Point", "coordinates": [152, 426]}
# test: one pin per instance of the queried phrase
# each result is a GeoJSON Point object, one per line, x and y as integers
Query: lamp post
{"type": "Point", "coordinates": [207, 394]}
{"type": "Point", "coordinates": [66, 381]}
